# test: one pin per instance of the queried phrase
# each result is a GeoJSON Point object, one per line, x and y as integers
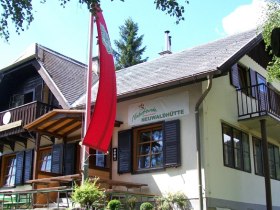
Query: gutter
{"type": "Point", "coordinates": [198, 149]}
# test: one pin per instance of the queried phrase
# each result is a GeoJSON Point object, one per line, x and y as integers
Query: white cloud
{"type": "Point", "coordinates": [244, 17]}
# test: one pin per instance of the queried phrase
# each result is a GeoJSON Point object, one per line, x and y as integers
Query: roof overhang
{"type": "Point", "coordinates": [61, 123]}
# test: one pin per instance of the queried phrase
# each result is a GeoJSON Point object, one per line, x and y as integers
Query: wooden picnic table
{"type": "Point", "coordinates": [56, 179]}
{"type": "Point", "coordinates": [118, 183]}
{"type": "Point", "coordinates": [54, 185]}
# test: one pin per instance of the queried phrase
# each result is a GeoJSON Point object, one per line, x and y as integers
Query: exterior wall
{"type": "Point", "coordinates": [227, 187]}
{"type": "Point", "coordinates": [183, 178]}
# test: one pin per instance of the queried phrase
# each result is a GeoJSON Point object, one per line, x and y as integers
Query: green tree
{"type": "Point", "coordinates": [272, 21]}
{"type": "Point", "coordinates": [19, 13]}
{"type": "Point", "coordinates": [129, 49]}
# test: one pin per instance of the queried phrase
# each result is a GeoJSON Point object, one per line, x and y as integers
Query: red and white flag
{"type": "Point", "coordinates": [100, 130]}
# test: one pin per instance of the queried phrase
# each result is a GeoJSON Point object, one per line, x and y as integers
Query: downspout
{"type": "Point", "coordinates": [198, 149]}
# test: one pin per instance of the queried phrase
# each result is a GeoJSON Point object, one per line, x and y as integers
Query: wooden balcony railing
{"type": "Point", "coordinates": [27, 113]}
{"type": "Point", "coordinates": [257, 100]}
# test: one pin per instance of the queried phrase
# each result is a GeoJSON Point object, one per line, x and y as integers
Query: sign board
{"type": "Point", "coordinates": [10, 125]}
{"type": "Point", "coordinates": [158, 109]}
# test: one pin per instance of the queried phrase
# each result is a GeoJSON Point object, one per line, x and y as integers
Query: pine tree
{"type": "Point", "coordinates": [129, 51]}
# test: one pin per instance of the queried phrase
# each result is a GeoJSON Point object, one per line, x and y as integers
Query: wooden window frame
{"type": "Point", "coordinates": [274, 175]}
{"type": "Point", "coordinates": [5, 167]}
{"type": "Point", "coordinates": [40, 161]}
{"type": "Point", "coordinates": [273, 161]}
{"type": "Point", "coordinates": [92, 160]}
{"type": "Point", "coordinates": [136, 139]}
{"type": "Point", "coordinates": [233, 149]}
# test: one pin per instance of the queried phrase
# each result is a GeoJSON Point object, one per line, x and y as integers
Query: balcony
{"type": "Point", "coordinates": [259, 102]}
{"type": "Point", "coordinates": [13, 120]}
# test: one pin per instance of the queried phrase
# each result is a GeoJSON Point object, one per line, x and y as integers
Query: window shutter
{"type": "Point", "coordinates": [235, 76]}
{"type": "Point", "coordinates": [69, 159]}
{"type": "Point", "coordinates": [19, 167]}
{"type": "Point", "coordinates": [253, 80]}
{"type": "Point", "coordinates": [57, 158]}
{"type": "Point", "coordinates": [172, 154]}
{"type": "Point", "coordinates": [28, 165]}
{"type": "Point", "coordinates": [124, 151]}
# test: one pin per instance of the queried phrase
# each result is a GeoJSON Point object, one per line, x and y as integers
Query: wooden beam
{"type": "Point", "coordinates": [17, 138]}
{"type": "Point", "coordinates": [36, 150]}
{"type": "Point", "coordinates": [5, 141]}
{"type": "Point", "coordinates": [77, 127]}
{"type": "Point", "coordinates": [42, 132]}
{"type": "Point", "coordinates": [64, 126]}
{"type": "Point", "coordinates": [52, 124]}
{"type": "Point", "coordinates": [73, 138]}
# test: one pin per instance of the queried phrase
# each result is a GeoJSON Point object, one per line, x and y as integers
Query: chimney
{"type": "Point", "coordinates": [167, 44]}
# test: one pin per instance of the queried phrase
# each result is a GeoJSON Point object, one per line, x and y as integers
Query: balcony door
{"type": "Point", "coordinates": [262, 93]}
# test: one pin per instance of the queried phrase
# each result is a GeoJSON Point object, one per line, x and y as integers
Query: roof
{"type": "Point", "coordinates": [58, 123]}
{"type": "Point", "coordinates": [188, 65]}
{"type": "Point", "coordinates": [61, 123]}
{"type": "Point", "coordinates": [69, 75]}
{"type": "Point", "coordinates": [65, 76]}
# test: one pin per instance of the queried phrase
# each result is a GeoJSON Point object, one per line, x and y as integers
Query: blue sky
{"type": "Point", "coordinates": [65, 30]}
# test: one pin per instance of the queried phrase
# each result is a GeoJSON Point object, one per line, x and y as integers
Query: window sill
{"type": "Point", "coordinates": [100, 168]}
{"type": "Point", "coordinates": [8, 187]}
{"type": "Point", "coordinates": [150, 170]}
{"type": "Point", "coordinates": [49, 173]}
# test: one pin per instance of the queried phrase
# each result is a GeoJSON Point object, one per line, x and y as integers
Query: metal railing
{"type": "Point", "coordinates": [257, 100]}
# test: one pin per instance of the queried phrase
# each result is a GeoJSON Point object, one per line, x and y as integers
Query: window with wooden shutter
{"type": "Point", "coordinates": [154, 147]}
{"type": "Point", "coordinates": [19, 168]}
{"type": "Point", "coordinates": [28, 165]}
{"type": "Point", "coordinates": [172, 154]}
{"type": "Point", "coordinates": [239, 77]}
{"type": "Point", "coordinates": [69, 159]}
{"type": "Point", "coordinates": [57, 158]}
{"type": "Point", "coordinates": [124, 151]}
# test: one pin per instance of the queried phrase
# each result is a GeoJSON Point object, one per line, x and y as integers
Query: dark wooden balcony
{"type": "Point", "coordinates": [259, 102]}
{"type": "Point", "coordinates": [21, 116]}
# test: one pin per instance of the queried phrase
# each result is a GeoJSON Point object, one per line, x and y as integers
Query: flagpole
{"type": "Point", "coordinates": [85, 150]}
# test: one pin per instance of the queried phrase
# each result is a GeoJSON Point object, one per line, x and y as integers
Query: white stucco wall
{"type": "Point", "coordinates": [224, 182]}
{"type": "Point", "coordinates": [183, 178]}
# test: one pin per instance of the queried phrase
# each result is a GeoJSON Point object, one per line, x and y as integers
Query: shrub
{"type": "Point", "coordinates": [114, 204]}
{"type": "Point", "coordinates": [131, 202]}
{"type": "Point", "coordinates": [162, 203]}
{"type": "Point", "coordinates": [88, 195]}
{"type": "Point", "coordinates": [177, 200]}
{"type": "Point", "coordinates": [146, 206]}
